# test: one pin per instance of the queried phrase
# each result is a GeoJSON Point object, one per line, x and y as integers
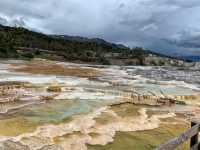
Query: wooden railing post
{"type": "Point", "coordinates": [194, 142]}
{"type": "Point", "coordinates": [191, 134]}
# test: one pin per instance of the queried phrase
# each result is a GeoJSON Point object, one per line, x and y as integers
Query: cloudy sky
{"type": "Point", "coordinates": [170, 26]}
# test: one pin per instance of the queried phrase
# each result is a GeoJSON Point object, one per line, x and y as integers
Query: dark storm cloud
{"type": "Point", "coordinates": [153, 24]}
{"type": "Point", "coordinates": [187, 39]}
{"type": "Point", "coordinates": [183, 4]}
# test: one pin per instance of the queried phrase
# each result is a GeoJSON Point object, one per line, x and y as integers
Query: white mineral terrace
{"type": "Point", "coordinates": [71, 112]}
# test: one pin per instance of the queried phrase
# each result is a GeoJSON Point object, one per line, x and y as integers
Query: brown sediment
{"type": "Point", "coordinates": [9, 87]}
{"type": "Point", "coordinates": [54, 89]}
{"type": "Point", "coordinates": [147, 100]}
{"type": "Point", "coordinates": [18, 95]}
{"type": "Point", "coordinates": [16, 84]}
{"type": "Point", "coordinates": [189, 99]}
{"type": "Point", "coordinates": [15, 126]}
{"type": "Point", "coordinates": [126, 110]}
{"type": "Point", "coordinates": [51, 68]}
{"type": "Point", "coordinates": [158, 100]}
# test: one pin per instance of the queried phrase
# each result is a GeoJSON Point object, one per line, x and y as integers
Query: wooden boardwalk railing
{"type": "Point", "coordinates": [192, 134]}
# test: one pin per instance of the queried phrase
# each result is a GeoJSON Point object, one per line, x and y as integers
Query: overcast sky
{"type": "Point", "coordinates": [164, 25]}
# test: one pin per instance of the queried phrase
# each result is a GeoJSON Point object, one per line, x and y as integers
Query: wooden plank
{"type": "Point", "coordinates": [174, 143]}
{"type": "Point", "coordinates": [194, 140]}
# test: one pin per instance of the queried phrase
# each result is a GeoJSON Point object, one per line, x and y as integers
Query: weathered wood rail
{"type": "Point", "coordinates": [192, 134]}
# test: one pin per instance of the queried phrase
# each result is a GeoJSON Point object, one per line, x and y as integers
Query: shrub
{"type": "Point", "coordinates": [54, 89]}
{"type": "Point", "coordinates": [104, 61]}
{"type": "Point", "coordinates": [28, 55]}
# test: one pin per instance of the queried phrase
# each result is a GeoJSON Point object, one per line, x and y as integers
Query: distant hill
{"type": "Point", "coordinates": [191, 58]}
{"type": "Point", "coordinates": [84, 39]}
{"type": "Point", "coordinates": [17, 42]}
{"type": "Point", "coordinates": [21, 37]}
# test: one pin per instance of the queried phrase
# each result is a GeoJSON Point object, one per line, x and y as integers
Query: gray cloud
{"type": "Point", "coordinates": [186, 39]}
{"type": "Point", "coordinates": [159, 25]}
{"type": "Point", "coordinates": [3, 21]}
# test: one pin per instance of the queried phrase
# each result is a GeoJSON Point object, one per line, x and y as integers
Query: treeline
{"type": "Point", "coordinates": [11, 38]}
{"type": "Point", "coordinates": [7, 44]}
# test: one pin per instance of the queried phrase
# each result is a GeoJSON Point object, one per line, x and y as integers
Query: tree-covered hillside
{"type": "Point", "coordinates": [21, 37]}
{"type": "Point", "coordinates": [17, 42]}
{"type": "Point", "coordinates": [16, 38]}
